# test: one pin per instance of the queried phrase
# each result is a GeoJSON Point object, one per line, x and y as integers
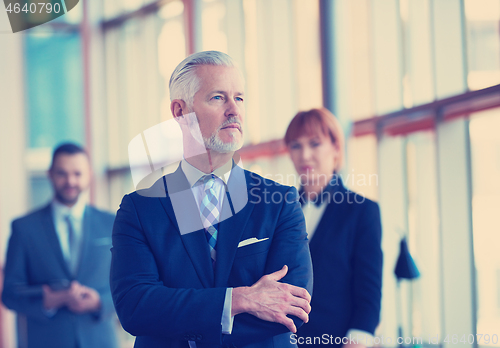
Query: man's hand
{"type": "Point", "coordinates": [270, 300]}
{"type": "Point", "coordinates": [83, 299]}
{"type": "Point", "coordinates": [54, 299]}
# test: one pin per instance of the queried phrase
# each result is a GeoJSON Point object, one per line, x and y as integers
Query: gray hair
{"type": "Point", "coordinates": [184, 83]}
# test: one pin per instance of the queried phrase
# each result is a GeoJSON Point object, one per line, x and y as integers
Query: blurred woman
{"type": "Point", "coordinates": [344, 237]}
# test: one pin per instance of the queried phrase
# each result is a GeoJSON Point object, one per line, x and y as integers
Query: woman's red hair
{"type": "Point", "coordinates": [316, 121]}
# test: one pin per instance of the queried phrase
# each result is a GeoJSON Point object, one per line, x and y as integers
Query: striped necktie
{"type": "Point", "coordinates": [210, 213]}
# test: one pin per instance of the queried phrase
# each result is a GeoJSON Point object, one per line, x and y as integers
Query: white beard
{"type": "Point", "coordinates": [215, 143]}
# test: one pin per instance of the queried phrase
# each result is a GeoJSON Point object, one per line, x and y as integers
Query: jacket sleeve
{"type": "Point", "coordinates": [289, 247]}
{"type": "Point", "coordinates": [18, 295]}
{"type": "Point", "coordinates": [145, 306]}
{"type": "Point", "coordinates": [367, 270]}
{"type": "Point", "coordinates": [107, 308]}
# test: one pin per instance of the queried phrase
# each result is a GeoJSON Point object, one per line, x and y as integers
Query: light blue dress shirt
{"type": "Point", "coordinates": [59, 214]}
{"type": "Point", "coordinates": [222, 174]}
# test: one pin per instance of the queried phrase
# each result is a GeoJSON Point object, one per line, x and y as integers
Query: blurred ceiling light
{"type": "Point", "coordinates": [172, 9]}
{"type": "Point", "coordinates": [484, 10]}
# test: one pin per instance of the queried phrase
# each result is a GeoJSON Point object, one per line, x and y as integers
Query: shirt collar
{"type": "Point", "coordinates": [61, 211]}
{"type": "Point", "coordinates": [325, 195]}
{"type": "Point", "coordinates": [193, 174]}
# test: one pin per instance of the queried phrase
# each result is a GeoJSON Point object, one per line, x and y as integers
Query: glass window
{"type": "Point", "coordinates": [360, 171]}
{"type": "Point", "coordinates": [114, 8]}
{"type": "Point", "coordinates": [387, 56]}
{"type": "Point", "coordinates": [276, 73]}
{"type": "Point", "coordinates": [274, 80]}
{"type": "Point", "coordinates": [142, 52]}
{"type": "Point", "coordinates": [418, 81]}
{"type": "Point", "coordinates": [485, 155]}
{"type": "Point", "coordinates": [391, 152]}
{"type": "Point", "coordinates": [483, 43]}
{"type": "Point", "coordinates": [361, 79]}
{"type": "Point", "coordinates": [448, 48]}
{"type": "Point", "coordinates": [172, 49]}
{"type": "Point", "coordinates": [307, 54]}
{"type": "Point", "coordinates": [423, 232]}
{"type": "Point", "coordinates": [213, 26]}
{"type": "Point", "coordinates": [111, 8]}
{"type": "Point", "coordinates": [54, 84]}
{"type": "Point", "coordinates": [343, 59]}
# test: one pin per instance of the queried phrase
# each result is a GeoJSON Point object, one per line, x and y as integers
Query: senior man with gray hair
{"type": "Point", "coordinates": [203, 258]}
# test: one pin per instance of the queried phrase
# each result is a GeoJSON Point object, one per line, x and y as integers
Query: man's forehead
{"type": "Point", "coordinates": [219, 77]}
{"type": "Point", "coordinates": [71, 160]}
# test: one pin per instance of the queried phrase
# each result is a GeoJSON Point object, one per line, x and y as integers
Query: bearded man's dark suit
{"type": "Point", "coordinates": [163, 285]}
{"type": "Point", "coordinates": [35, 258]}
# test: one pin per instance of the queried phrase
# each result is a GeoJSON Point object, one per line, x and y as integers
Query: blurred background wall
{"type": "Point", "coordinates": [415, 84]}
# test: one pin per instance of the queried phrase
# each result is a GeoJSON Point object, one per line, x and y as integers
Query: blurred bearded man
{"type": "Point", "coordinates": [58, 261]}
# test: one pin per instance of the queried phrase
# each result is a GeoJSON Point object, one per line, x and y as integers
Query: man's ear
{"type": "Point", "coordinates": [178, 107]}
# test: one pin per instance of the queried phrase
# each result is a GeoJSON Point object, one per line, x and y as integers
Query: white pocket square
{"type": "Point", "coordinates": [249, 241]}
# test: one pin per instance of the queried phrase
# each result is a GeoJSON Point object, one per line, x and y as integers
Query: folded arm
{"type": "Point", "coordinates": [289, 311]}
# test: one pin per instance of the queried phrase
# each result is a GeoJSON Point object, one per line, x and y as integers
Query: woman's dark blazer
{"type": "Point", "coordinates": [347, 264]}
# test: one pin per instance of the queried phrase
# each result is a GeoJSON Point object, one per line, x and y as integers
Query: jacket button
{"type": "Point", "coordinates": [199, 337]}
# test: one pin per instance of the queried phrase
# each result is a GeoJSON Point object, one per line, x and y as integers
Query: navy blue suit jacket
{"type": "Point", "coordinates": [347, 262]}
{"type": "Point", "coordinates": [34, 258]}
{"type": "Point", "coordinates": [163, 285]}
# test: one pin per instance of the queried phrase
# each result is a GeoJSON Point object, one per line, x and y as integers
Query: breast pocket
{"type": "Point", "coordinates": [252, 249]}
{"type": "Point", "coordinates": [249, 264]}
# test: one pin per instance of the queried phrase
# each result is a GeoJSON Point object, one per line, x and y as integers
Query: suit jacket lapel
{"type": "Point", "coordinates": [232, 226]}
{"type": "Point", "coordinates": [88, 225]}
{"type": "Point", "coordinates": [51, 235]}
{"type": "Point", "coordinates": [183, 211]}
{"type": "Point", "coordinates": [332, 214]}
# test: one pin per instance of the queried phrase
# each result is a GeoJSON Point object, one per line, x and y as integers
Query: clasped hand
{"type": "Point", "coordinates": [78, 298]}
{"type": "Point", "coordinates": [272, 301]}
